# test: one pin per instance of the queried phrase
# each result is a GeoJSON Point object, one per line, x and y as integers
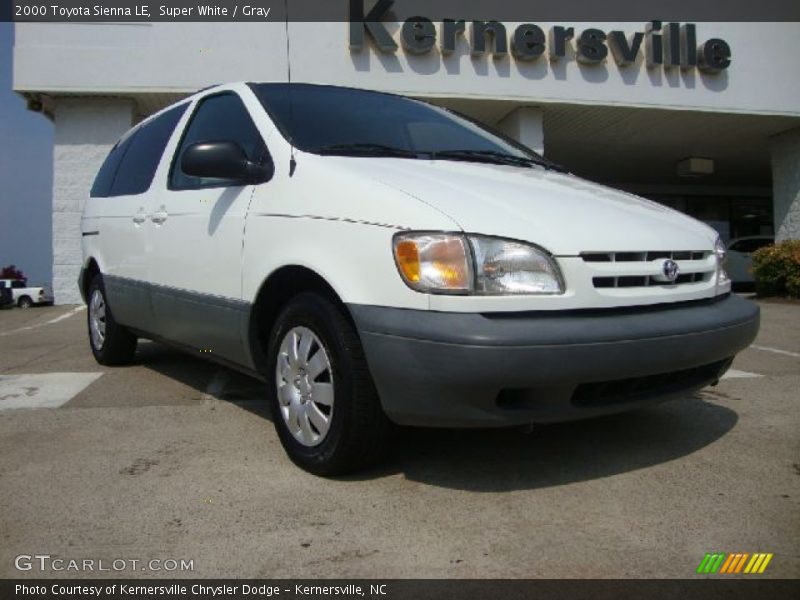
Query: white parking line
{"type": "Point", "coordinates": [734, 374]}
{"type": "Point", "coordinates": [776, 351]}
{"type": "Point", "coordinates": [42, 390]}
{"type": "Point", "coordinates": [74, 311]}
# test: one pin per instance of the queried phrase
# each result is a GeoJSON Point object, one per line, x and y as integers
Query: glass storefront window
{"type": "Point", "coordinates": [732, 217]}
{"type": "Point", "coordinates": [751, 216]}
{"type": "Point", "coordinates": [714, 212]}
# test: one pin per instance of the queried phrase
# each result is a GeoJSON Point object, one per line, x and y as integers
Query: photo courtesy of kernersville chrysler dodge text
{"type": "Point", "coordinates": [381, 261]}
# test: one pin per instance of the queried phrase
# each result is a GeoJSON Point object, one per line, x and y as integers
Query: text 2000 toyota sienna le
{"type": "Point", "coordinates": [376, 259]}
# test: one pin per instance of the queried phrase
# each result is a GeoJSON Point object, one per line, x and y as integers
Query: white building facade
{"type": "Point", "coordinates": [704, 117]}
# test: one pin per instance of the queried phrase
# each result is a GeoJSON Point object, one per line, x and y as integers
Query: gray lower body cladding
{"type": "Point", "coordinates": [477, 370]}
{"type": "Point", "coordinates": [212, 325]}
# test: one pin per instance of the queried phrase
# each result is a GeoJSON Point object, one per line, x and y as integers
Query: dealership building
{"type": "Point", "coordinates": [703, 117]}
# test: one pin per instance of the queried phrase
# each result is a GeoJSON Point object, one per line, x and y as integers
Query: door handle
{"type": "Point", "coordinates": [159, 216]}
{"type": "Point", "coordinates": [140, 217]}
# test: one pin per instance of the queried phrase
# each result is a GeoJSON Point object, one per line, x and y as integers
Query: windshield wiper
{"type": "Point", "coordinates": [495, 157]}
{"type": "Point", "coordinates": [365, 149]}
{"type": "Point", "coordinates": [490, 156]}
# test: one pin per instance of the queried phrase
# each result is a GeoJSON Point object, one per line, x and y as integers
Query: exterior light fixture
{"type": "Point", "coordinates": [695, 167]}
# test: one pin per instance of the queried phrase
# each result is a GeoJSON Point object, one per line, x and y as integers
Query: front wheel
{"type": "Point", "coordinates": [111, 343]}
{"type": "Point", "coordinates": [324, 404]}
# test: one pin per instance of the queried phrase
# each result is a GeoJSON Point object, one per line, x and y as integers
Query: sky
{"type": "Point", "coordinates": [26, 177]}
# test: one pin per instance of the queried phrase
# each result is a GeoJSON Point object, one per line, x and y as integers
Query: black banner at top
{"type": "Point", "coordinates": [398, 10]}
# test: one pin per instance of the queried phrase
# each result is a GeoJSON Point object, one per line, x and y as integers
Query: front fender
{"type": "Point", "coordinates": [354, 258]}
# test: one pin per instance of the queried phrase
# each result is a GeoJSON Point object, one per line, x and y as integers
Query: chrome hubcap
{"type": "Point", "coordinates": [97, 319]}
{"type": "Point", "coordinates": [304, 381]}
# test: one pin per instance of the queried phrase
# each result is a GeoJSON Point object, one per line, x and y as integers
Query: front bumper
{"type": "Point", "coordinates": [482, 370]}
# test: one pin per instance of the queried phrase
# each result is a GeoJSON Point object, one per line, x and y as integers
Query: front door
{"type": "Point", "coordinates": [196, 243]}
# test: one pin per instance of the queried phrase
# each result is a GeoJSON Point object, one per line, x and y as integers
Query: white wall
{"type": "Point", "coordinates": [786, 184]}
{"type": "Point", "coordinates": [85, 131]}
{"type": "Point", "coordinates": [525, 124]}
{"type": "Point", "coordinates": [145, 57]}
{"type": "Point", "coordinates": [763, 77]}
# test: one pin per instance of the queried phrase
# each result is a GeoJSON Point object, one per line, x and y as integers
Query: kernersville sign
{"type": "Point", "coordinates": [667, 45]}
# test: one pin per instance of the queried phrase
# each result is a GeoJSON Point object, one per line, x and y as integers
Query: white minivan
{"type": "Point", "coordinates": [378, 260]}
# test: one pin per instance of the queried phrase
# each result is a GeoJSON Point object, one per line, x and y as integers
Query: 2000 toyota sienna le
{"type": "Point", "coordinates": [376, 259]}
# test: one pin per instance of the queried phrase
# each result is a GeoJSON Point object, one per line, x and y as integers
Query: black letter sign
{"type": "Point", "coordinates": [450, 31]}
{"type": "Point", "coordinates": [559, 36]}
{"type": "Point", "coordinates": [372, 24]}
{"type": "Point", "coordinates": [715, 56]}
{"type": "Point", "coordinates": [419, 35]}
{"type": "Point", "coordinates": [528, 42]}
{"type": "Point", "coordinates": [688, 46]}
{"type": "Point", "coordinates": [624, 53]}
{"type": "Point", "coordinates": [481, 29]}
{"type": "Point", "coordinates": [591, 47]}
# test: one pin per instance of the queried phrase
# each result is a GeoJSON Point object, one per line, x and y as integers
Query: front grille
{"type": "Point", "coordinates": [618, 391]}
{"type": "Point", "coordinates": [646, 281]}
{"type": "Point", "coordinates": [644, 256]}
{"type": "Point", "coordinates": [642, 269]}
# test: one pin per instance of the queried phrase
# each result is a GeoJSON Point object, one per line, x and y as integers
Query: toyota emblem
{"type": "Point", "coordinates": [670, 269]}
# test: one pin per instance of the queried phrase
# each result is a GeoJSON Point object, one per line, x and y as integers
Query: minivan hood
{"type": "Point", "coordinates": [562, 213]}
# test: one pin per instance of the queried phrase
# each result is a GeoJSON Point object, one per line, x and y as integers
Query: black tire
{"type": "Point", "coordinates": [359, 432]}
{"type": "Point", "coordinates": [25, 302]}
{"type": "Point", "coordinates": [119, 345]}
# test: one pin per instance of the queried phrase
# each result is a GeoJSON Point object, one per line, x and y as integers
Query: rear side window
{"type": "Point", "coordinates": [139, 164]}
{"type": "Point", "coordinates": [105, 176]}
{"type": "Point", "coordinates": [131, 165]}
{"type": "Point", "coordinates": [218, 118]}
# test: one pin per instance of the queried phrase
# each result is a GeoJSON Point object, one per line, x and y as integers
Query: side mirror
{"type": "Point", "coordinates": [223, 160]}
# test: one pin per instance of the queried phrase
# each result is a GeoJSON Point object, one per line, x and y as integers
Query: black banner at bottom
{"type": "Point", "coordinates": [391, 589]}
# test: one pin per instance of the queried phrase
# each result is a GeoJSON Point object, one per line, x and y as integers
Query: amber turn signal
{"type": "Point", "coordinates": [433, 262]}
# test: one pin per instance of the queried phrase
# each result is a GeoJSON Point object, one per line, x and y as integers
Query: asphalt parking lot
{"type": "Point", "coordinates": [175, 458]}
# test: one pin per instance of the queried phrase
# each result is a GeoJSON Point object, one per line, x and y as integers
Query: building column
{"type": "Point", "coordinates": [785, 149]}
{"type": "Point", "coordinates": [526, 125]}
{"type": "Point", "coordinates": [85, 131]}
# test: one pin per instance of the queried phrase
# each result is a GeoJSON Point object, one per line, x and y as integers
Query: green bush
{"type": "Point", "coordinates": [777, 269]}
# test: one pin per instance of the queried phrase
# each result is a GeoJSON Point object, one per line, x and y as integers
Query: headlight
{"type": "Point", "coordinates": [506, 267]}
{"type": "Point", "coordinates": [720, 250]}
{"type": "Point", "coordinates": [474, 264]}
{"type": "Point", "coordinates": [722, 254]}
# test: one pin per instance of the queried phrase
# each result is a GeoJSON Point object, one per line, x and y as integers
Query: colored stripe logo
{"type": "Point", "coordinates": [734, 563]}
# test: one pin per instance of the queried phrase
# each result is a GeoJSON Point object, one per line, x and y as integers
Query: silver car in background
{"type": "Point", "coordinates": [740, 257]}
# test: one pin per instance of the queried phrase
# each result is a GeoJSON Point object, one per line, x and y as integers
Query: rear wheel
{"type": "Point", "coordinates": [324, 404]}
{"type": "Point", "coordinates": [25, 302]}
{"type": "Point", "coordinates": [111, 343]}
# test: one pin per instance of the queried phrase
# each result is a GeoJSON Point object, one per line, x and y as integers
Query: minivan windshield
{"type": "Point", "coordinates": [351, 122]}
